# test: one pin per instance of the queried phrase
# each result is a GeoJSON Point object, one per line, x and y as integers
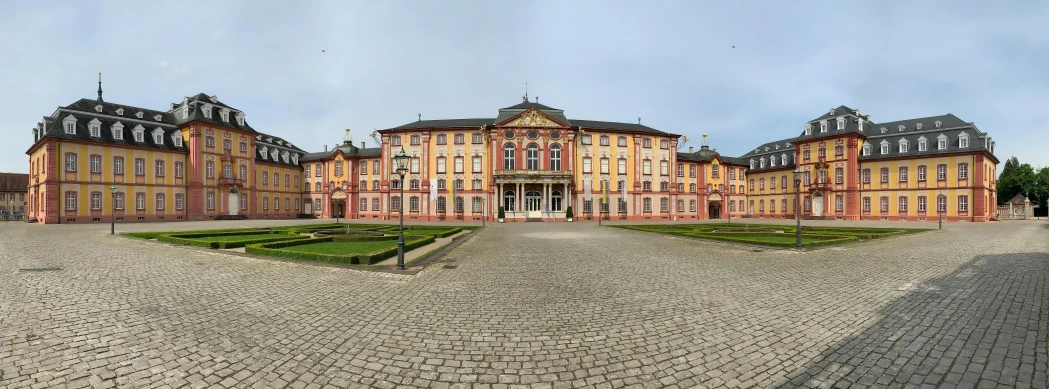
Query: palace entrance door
{"type": "Point", "coordinates": [233, 202]}
{"type": "Point", "coordinates": [533, 204]}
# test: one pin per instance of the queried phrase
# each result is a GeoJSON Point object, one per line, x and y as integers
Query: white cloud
{"type": "Point", "coordinates": [175, 71]}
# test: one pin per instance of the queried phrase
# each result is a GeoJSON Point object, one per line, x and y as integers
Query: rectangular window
{"type": "Point", "coordinates": [866, 176]}
{"type": "Point", "coordinates": [96, 201]}
{"type": "Point", "coordinates": [338, 168]}
{"type": "Point", "coordinates": [963, 171]}
{"type": "Point", "coordinates": [921, 173]}
{"type": "Point", "coordinates": [622, 166]}
{"type": "Point", "coordinates": [118, 200]}
{"type": "Point", "coordinates": [276, 203]}
{"type": "Point", "coordinates": [903, 173]}
{"type": "Point", "coordinates": [70, 162]}
{"type": "Point", "coordinates": [414, 139]}
{"type": "Point", "coordinates": [604, 165]}
{"type": "Point", "coordinates": [884, 204]}
{"type": "Point", "coordinates": [414, 165]}
{"type": "Point", "coordinates": [586, 165]}
{"type": "Point", "coordinates": [140, 201]}
{"type": "Point", "coordinates": [265, 203]}
{"type": "Point", "coordinates": [179, 200]}
{"type": "Point", "coordinates": [458, 184]}
{"type": "Point", "coordinates": [839, 203]}
{"type": "Point", "coordinates": [159, 168]}
{"type": "Point", "coordinates": [963, 203]}
{"type": "Point", "coordinates": [375, 168]}
{"type": "Point", "coordinates": [941, 203]}
{"type": "Point", "coordinates": [941, 172]}
{"type": "Point", "coordinates": [160, 201]}
{"type": "Point", "coordinates": [459, 164]}
{"type": "Point", "coordinates": [475, 138]}
{"type": "Point", "coordinates": [664, 168]}
{"type": "Point", "coordinates": [118, 165]}
{"type": "Point", "coordinates": [475, 184]}
{"type": "Point", "coordinates": [866, 204]}
{"type": "Point", "coordinates": [903, 204]}
{"type": "Point", "coordinates": [839, 175]}
{"type": "Point", "coordinates": [477, 164]}
{"type": "Point", "coordinates": [318, 170]}
{"type": "Point", "coordinates": [71, 201]}
{"type": "Point", "coordinates": [413, 184]}
{"type": "Point", "coordinates": [459, 139]}
{"type": "Point", "coordinates": [621, 141]}
{"type": "Point", "coordinates": [140, 167]}
{"type": "Point", "coordinates": [921, 203]}
{"type": "Point", "coordinates": [441, 165]}
{"type": "Point", "coordinates": [96, 163]}
{"type": "Point", "coordinates": [604, 140]}
{"type": "Point", "coordinates": [646, 167]}
{"type": "Point", "coordinates": [884, 174]}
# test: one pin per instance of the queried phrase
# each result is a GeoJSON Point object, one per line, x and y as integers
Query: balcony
{"type": "Point", "coordinates": [231, 182]}
{"type": "Point", "coordinates": [820, 185]}
{"type": "Point", "coordinates": [519, 175]}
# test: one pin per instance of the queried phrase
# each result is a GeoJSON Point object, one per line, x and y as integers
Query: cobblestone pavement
{"type": "Point", "coordinates": [530, 305]}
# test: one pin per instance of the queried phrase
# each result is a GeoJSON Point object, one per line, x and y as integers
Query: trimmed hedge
{"type": "Point", "coordinates": [155, 234]}
{"type": "Point", "coordinates": [275, 249]}
{"type": "Point", "coordinates": [192, 239]}
{"type": "Point", "coordinates": [241, 243]}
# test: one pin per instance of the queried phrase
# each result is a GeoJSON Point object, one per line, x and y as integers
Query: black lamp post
{"type": "Point", "coordinates": [941, 203]}
{"type": "Point", "coordinates": [400, 165]}
{"type": "Point", "coordinates": [797, 206]}
{"type": "Point", "coordinates": [113, 206]}
{"type": "Point", "coordinates": [482, 211]}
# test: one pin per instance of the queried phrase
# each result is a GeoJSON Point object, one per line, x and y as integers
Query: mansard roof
{"type": "Point", "coordinates": [272, 142]}
{"type": "Point", "coordinates": [193, 106]}
{"type": "Point", "coordinates": [53, 127]}
{"type": "Point", "coordinates": [951, 127]}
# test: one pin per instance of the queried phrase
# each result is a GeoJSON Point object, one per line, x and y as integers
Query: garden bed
{"type": "Point", "coordinates": [361, 250]}
{"type": "Point", "coordinates": [772, 235]}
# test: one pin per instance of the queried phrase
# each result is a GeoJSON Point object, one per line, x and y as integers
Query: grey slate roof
{"type": "Point", "coordinates": [196, 112]}
{"type": "Point", "coordinates": [273, 142]}
{"type": "Point", "coordinates": [54, 129]}
{"type": "Point", "coordinates": [348, 150]}
{"type": "Point", "coordinates": [767, 151]}
{"type": "Point", "coordinates": [950, 126]}
{"type": "Point", "coordinates": [509, 112]}
{"type": "Point", "coordinates": [444, 123]}
{"type": "Point", "coordinates": [587, 124]}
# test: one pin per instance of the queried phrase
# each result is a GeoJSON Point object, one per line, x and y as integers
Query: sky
{"type": "Point", "coordinates": [307, 70]}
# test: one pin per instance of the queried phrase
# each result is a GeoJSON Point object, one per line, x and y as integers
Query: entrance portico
{"type": "Point", "coordinates": [533, 194]}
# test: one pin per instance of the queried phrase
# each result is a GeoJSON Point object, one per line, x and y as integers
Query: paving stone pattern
{"type": "Point", "coordinates": [530, 305]}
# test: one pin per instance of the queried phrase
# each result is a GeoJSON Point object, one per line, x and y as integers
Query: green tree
{"type": "Point", "coordinates": [1040, 193]}
{"type": "Point", "coordinates": [1015, 179]}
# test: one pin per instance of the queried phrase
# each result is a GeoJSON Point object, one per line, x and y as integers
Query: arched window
{"type": "Point", "coordinates": [508, 157]}
{"type": "Point", "coordinates": [508, 200]}
{"type": "Point", "coordinates": [555, 157]}
{"type": "Point", "coordinates": [533, 157]}
{"type": "Point", "coordinates": [555, 201]}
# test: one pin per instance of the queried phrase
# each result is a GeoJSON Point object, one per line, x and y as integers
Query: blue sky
{"type": "Point", "coordinates": [670, 63]}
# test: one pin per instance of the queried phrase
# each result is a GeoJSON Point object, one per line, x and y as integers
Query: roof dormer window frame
{"type": "Point", "coordinates": [206, 109]}
{"type": "Point", "coordinates": [808, 129]}
{"type": "Point", "coordinates": [240, 118]}
{"type": "Point", "coordinates": [295, 159]}
{"type": "Point", "coordinates": [917, 126]}
{"type": "Point", "coordinates": [69, 125]}
{"type": "Point", "coordinates": [902, 127]}
{"type": "Point", "coordinates": [859, 125]}
{"type": "Point", "coordinates": [923, 144]}
{"type": "Point", "coordinates": [284, 156]}
{"type": "Point", "coordinates": [938, 124]}
{"type": "Point", "coordinates": [98, 108]}
{"type": "Point", "coordinates": [867, 149]}
{"type": "Point", "coordinates": [176, 138]}
{"type": "Point", "coordinates": [95, 128]}
{"type": "Point", "coordinates": [118, 130]}
{"type": "Point", "coordinates": [883, 130]}
{"type": "Point", "coordinates": [762, 163]}
{"type": "Point", "coordinates": [139, 133]}
{"type": "Point", "coordinates": [120, 111]}
{"type": "Point", "coordinates": [823, 126]}
{"type": "Point", "coordinates": [224, 113]}
{"type": "Point", "coordinates": [841, 123]}
{"type": "Point", "coordinates": [158, 117]}
{"type": "Point", "coordinates": [263, 151]}
{"type": "Point", "coordinates": [941, 142]}
{"type": "Point", "coordinates": [273, 154]}
{"type": "Point", "coordinates": [903, 145]}
{"type": "Point", "coordinates": [884, 147]}
{"type": "Point", "coordinates": [963, 140]}
{"type": "Point", "coordinates": [158, 136]}
{"type": "Point", "coordinates": [139, 114]}
{"type": "Point", "coordinates": [753, 163]}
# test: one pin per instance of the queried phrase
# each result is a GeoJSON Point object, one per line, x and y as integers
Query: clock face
{"type": "Point", "coordinates": [509, 134]}
{"type": "Point", "coordinates": [533, 134]}
{"type": "Point", "coordinates": [555, 135]}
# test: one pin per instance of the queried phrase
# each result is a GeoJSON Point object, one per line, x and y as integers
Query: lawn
{"type": "Point", "coordinates": [773, 235]}
{"type": "Point", "coordinates": [236, 238]}
{"type": "Point", "coordinates": [344, 247]}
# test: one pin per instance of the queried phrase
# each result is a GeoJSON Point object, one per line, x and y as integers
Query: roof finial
{"type": "Point", "coordinates": [346, 139]}
{"type": "Point", "coordinates": [526, 92]}
{"type": "Point", "coordinates": [537, 99]}
{"type": "Point", "coordinates": [100, 85]}
{"type": "Point", "coordinates": [638, 120]}
{"type": "Point", "coordinates": [420, 117]}
{"type": "Point", "coordinates": [704, 143]}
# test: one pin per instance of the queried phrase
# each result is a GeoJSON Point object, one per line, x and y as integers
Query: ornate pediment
{"type": "Point", "coordinates": [532, 118]}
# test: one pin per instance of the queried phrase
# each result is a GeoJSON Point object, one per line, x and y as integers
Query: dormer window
{"type": "Point", "coordinates": [284, 156]}
{"type": "Point", "coordinates": [859, 125]}
{"type": "Point", "coordinates": [273, 154]}
{"type": "Point", "coordinates": [752, 164]}
{"type": "Point", "coordinates": [225, 114]}
{"type": "Point", "coordinates": [808, 129]}
{"type": "Point", "coordinates": [902, 127]}
{"type": "Point", "coordinates": [762, 161]}
{"type": "Point", "coordinates": [98, 108]}
{"type": "Point", "coordinates": [841, 123]}
{"type": "Point", "coordinates": [941, 142]}
{"type": "Point", "coordinates": [262, 152]}
{"type": "Point", "coordinates": [157, 117]}
{"type": "Point", "coordinates": [917, 126]}
{"type": "Point", "coordinates": [240, 118]}
{"type": "Point", "coordinates": [883, 130]}
{"type": "Point", "coordinates": [120, 111]}
{"type": "Point", "coordinates": [783, 160]}
{"type": "Point", "coordinates": [280, 142]}
{"type": "Point", "coordinates": [823, 126]}
{"type": "Point", "coordinates": [118, 131]}
{"type": "Point", "coordinates": [177, 139]}
{"type": "Point", "coordinates": [94, 128]}
{"type": "Point", "coordinates": [139, 114]}
{"type": "Point", "coordinates": [69, 123]}
{"type": "Point", "coordinates": [867, 149]}
{"type": "Point", "coordinates": [295, 159]}
{"type": "Point", "coordinates": [258, 137]}
{"type": "Point", "coordinates": [772, 161]}
{"type": "Point", "coordinates": [206, 108]}
{"type": "Point", "coordinates": [938, 124]}
{"type": "Point", "coordinates": [139, 133]}
{"type": "Point", "coordinates": [777, 147]}
{"type": "Point", "coordinates": [214, 99]}
{"type": "Point", "coordinates": [903, 145]}
{"type": "Point", "coordinates": [923, 144]}
{"type": "Point", "coordinates": [884, 147]}
{"type": "Point", "coordinates": [963, 140]}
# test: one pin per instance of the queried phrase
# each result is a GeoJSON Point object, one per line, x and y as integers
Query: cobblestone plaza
{"type": "Point", "coordinates": [530, 305]}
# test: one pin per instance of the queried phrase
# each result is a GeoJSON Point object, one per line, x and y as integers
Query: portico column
{"type": "Point", "coordinates": [520, 197]}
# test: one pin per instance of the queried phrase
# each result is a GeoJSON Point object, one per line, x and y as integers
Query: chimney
{"type": "Point", "coordinates": [325, 148]}
{"type": "Point", "coordinates": [362, 144]}
{"type": "Point", "coordinates": [690, 149]}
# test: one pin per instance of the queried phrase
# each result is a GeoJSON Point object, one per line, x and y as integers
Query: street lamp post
{"type": "Point", "coordinates": [797, 207]}
{"type": "Point", "coordinates": [113, 210]}
{"type": "Point", "coordinates": [941, 203]}
{"type": "Point", "coordinates": [482, 211]}
{"type": "Point", "coordinates": [400, 164]}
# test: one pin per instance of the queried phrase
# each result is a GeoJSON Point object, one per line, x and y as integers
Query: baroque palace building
{"type": "Point", "coordinates": [94, 160]}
